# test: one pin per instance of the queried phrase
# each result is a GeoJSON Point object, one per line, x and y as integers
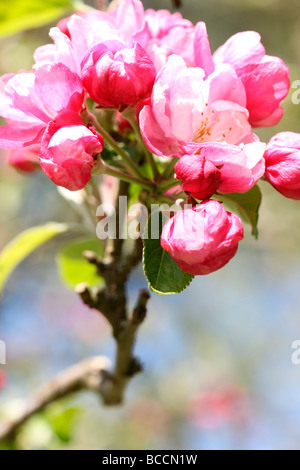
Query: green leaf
{"type": "Point", "coordinates": [24, 244]}
{"type": "Point", "coordinates": [163, 274]}
{"type": "Point", "coordinates": [62, 421]}
{"type": "Point", "coordinates": [246, 205]}
{"type": "Point", "coordinates": [74, 268]}
{"type": "Point", "coordinates": [18, 15]}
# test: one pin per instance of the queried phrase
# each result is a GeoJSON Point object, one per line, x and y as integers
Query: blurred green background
{"type": "Point", "coordinates": [218, 363]}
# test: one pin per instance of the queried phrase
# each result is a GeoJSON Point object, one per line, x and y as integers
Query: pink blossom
{"type": "Point", "coordinates": [214, 408]}
{"type": "Point", "coordinates": [241, 166]}
{"type": "Point", "coordinates": [62, 51]}
{"type": "Point", "coordinates": [160, 22]}
{"type": "Point", "coordinates": [160, 33]}
{"type": "Point", "coordinates": [29, 101]}
{"type": "Point", "coordinates": [200, 178]}
{"type": "Point", "coordinates": [125, 23]}
{"type": "Point", "coordinates": [69, 152]}
{"type": "Point", "coordinates": [25, 159]}
{"type": "Point", "coordinates": [265, 78]}
{"type": "Point", "coordinates": [187, 111]}
{"type": "Point", "coordinates": [203, 239]}
{"type": "Point", "coordinates": [117, 76]}
{"type": "Point", "coordinates": [171, 34]}
{"type": "Point", "coordinates": [168, 34]}
{"type": "Point", "coordinates": [179, 40]}
{"type": "Point", "coordinates": [283, 164]}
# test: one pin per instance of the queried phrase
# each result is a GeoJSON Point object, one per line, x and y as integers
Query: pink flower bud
{"type": "Point", "coordinates": [200, 178]}
{"type": "Point", "coordinates": [283, 164]}
{"type": "Point", "coordinates": [122, 124]}
{"type": "Point", "coordinates": [203, 239]}
{"type": "Point", "coordinates": [117, 76]}
{"type": "Point", "coordinates": [25, 159]}
{"type": "Point", "coordinates": [265, 78]}
{"type": "Point", "coordinates": [69, 152]}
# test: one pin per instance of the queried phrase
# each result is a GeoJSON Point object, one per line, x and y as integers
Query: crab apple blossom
{"type": "Point", "coordinates": [223, 167]}
{"type": "Point", "coordinates": [160, 22]}
{"type": "Point", "coordinates": [69, 152]}
{"type": "Point", "coordinates": [186, 110]}
{"type": "Point", "coordinates": [241, 166]}
{"type": "Point", "coordinates": [117, 76]}
{"type": "Point", "coordinates": [265, 78]}
{"type": "Point", "coordinates": [25, 159]}
{"type": "Point", "coordinates": [29, 101]}
{"type": "Point", "coordinates": [200, 178]}
{"type": "Point", "coordinates": [203, 239]}
{"type": "Point", "coordinates": [160, 33]}
{"type": "Point", "coordinates": [283, 164]}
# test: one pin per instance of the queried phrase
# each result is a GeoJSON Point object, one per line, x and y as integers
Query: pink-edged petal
{"type": "Point", "coordinates": [21, 90]}
{"type": "Point", "coordinates": [187, 89]}
{"type": "Point", "coordinates": [224, 84]}
{"type": "Point", "coordinates": [60, 52]}
{"type": "Point", "coordinates": [25, 159]}
{"type": "Point", "coordinates": [154, 137]}
{"type": "Point", "coordinates": [15, 137]}
{"type": "Point", "coordinates": [241, 49]}
{"type": "Point", "coordinates": [61, 176]}
{"type": "Point", "coordinates": [286, 139]}
{"type": "Point", "coordinates": [130, 18]}
{"type": "Point", "coordinates": [161, 92]}
{"type": "Point", "coordinates": [241, 166]}
{"type": "Point", "coordinates": [266, 84]}
{"type": "Point", "coordinates": [179, 41]}
{"type": "Point", "coordinates": [202, 51]}
{"type": "Point", "coordinates": [59, 88]}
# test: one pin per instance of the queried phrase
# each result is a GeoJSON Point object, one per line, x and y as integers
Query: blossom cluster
{"type": "Point", "coordinates": [190, 105]}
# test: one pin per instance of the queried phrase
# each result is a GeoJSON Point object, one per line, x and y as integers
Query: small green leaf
{"type": "Point", "coordinates": [24, 244]}
{"type": "Point", "coordinates": [62, 421]}
{"type": "Point", "coordinates": [18, 15]}
{"type": "Point", "coordinates": [163, 274]}
{"type": "Point", "coordinates": [74, 268]}
{"type": "Point", "coordinates": [246, 205]}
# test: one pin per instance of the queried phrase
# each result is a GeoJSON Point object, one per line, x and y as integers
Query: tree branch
{"type": "Point", "coordinates": [114, 383]}
{"type": "Point", "coordinates": [86, 375]}
{"type": "Point", "coordinates": [111, 301]}
{"type": "Point", "coordinates": [91, 374]}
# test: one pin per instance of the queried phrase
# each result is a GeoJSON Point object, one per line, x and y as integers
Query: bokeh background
{"type": "Point", "coordinates": [218, 369]}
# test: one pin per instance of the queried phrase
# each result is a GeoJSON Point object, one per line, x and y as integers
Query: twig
{"type": "Point", "coordinates": [84, 375]}
{"type": "Point", "coordinates": [109, 170]}
{"type": "Point", "coordinates": [169, 170]}
{"type": "Point", "coordinates": [131, 118]}
{"type": "Point", "coordinates": [132, 166]}
{"type": "Point", "coordinates": [114, 383]}
{"type": "Point", "coordinates": [177, 3]}
{"type": "Point", "coordinates": [127, 365]}
{"type": "Point", "coordinates": [91, 374]}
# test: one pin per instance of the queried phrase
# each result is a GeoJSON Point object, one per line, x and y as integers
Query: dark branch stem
{"type": "Point", "coordinates": [111, 302]}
